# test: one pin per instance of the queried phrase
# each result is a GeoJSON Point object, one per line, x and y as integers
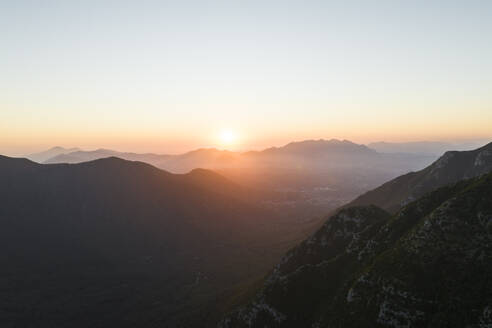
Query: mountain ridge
{"type": "Point", "coordinates": [119, 235]}
{"type": "Point", "coordinates": [427, 265]}
{"type": "Point", "coordinates": [49, 153]}
{"type": "Point", "coordinates": [449, 168]}
{"type": "Point", "coordinates": [348, 273]}
{"type": "Point", "coordinates": [295, 146]}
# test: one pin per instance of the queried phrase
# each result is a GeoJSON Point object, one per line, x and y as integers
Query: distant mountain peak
{"type": "Point", "coordinates": [322, 145]}
{"type": "Point", "coordinates": [50, 153]}
{"type": "Point", "coordinates": [317, 147]}
{"type": "Point", "coordinates": [205, 150]}
{"type": "Point", "coordinates": [105, 150]}
{"type": "Point", "coordinates": [321, 141]}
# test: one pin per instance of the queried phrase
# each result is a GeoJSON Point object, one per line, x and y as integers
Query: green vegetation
{"type": "Point", "coordinates": [428, 265]}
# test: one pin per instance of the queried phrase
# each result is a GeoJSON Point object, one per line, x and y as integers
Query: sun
{"type": "Point", "coordinates": [227, 137]}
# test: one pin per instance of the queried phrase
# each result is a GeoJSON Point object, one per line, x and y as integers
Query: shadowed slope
{"type": "Point", "coordinates": [118, 243]}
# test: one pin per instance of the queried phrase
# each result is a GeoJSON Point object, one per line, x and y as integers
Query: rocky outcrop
{"type": "Point", "coordinates": [429, 265]}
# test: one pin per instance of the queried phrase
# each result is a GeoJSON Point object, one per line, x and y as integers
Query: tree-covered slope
{"type": "Point", "coordinates": [429, 265]}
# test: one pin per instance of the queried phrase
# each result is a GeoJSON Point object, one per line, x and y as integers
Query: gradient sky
{"type": "Point", "coordinates": [169, 76]}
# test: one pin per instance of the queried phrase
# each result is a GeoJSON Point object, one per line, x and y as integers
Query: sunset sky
{"type": "Point", "coordinates": [170, 76]}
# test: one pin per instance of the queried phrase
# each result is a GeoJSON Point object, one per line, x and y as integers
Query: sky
{"type": "Point", "coordinates": [170, 76]}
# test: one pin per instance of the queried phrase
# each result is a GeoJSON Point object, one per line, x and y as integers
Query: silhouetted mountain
{"type": "Point", "coordinates": [429, 265]}
{"type": "Point", "coordinates": [316, 154]}
{"type": "Point", "coordinates": [50, 153]}
{"type": "Point", "coordinates": [321, 147]}
{"type": "Point", "coordinates": [85, 156]}
{"type": "Point", "coordinates": [118, 243]}
{"type": "Point", "coordinates": [451, 167]}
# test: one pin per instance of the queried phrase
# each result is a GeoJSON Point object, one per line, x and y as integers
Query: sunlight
{"type": "Point", "coordinates": [227, 137]}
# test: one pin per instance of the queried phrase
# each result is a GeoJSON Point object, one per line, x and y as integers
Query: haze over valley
{"type": "Point", "coordinates": [308, 178]}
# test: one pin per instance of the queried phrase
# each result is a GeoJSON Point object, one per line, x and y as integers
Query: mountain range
{"type": "Point", "coordinates": [214, 158]}
{"type": "Point", "coordinates": [118, 243]}
{"type": "Point", "coordinates": [320, 175]}
{"type": "Point", "coordinates": [426, 264]}
{"type": "Point", "coordinates": [113, 242]}
{"type": "Point", "coordinates": [320, 154]}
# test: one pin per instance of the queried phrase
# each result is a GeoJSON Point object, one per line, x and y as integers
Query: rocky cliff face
{"type": "Point", "coordinates": [428, 265]}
